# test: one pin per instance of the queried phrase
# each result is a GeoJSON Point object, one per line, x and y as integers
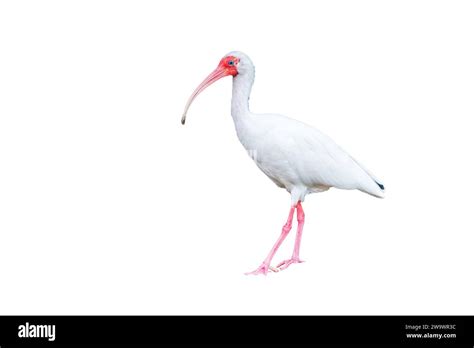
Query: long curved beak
{"type": "Point", "coordinates": [217, 74]}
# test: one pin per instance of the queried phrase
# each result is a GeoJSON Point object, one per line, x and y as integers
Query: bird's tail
{"type": "Point", "coordinates": [380, 194]}
{"type": "Point", "coordinates": [375, 188]}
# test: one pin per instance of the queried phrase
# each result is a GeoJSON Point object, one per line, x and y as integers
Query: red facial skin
{"type": "Point", "coordinates": [227, 66]}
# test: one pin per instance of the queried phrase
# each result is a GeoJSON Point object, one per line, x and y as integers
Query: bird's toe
{"type": "Point", "coordinates": [286, 263]}
{"type": "Point", "coordinates": [263, 269]}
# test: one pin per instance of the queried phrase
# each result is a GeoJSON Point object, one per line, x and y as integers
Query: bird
{"type": "Point", "coordinates": [295, 156]}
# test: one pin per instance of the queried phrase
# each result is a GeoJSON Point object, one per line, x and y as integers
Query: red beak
{"type": "Point", "coordinates": [217, 74]}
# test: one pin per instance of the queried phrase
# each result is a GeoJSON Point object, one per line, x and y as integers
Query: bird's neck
{"type": "Point", "coordinates": [242, 86]}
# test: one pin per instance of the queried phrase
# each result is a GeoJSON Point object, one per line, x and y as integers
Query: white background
{"type": "Point", "coordinates": [109, 206]}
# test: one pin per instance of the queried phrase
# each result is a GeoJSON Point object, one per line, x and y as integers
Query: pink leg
{"type": "Point", "coordinates": [295, 258]}
{"type": "Point", "coordinates": [265, 266]}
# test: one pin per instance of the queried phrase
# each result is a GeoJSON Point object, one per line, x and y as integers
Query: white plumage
{"type": "Point", "coordinates": [300, 158]}
{"type": "Point", "coordinates": [294, 155]}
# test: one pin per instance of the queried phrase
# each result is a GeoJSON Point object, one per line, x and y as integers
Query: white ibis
{"type": "Point", "coordinates": [293, 155]}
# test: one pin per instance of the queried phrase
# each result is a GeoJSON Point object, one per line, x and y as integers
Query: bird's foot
{"type": "Point", "coordinates": [263, 269]}
{"type": "Point", "coordinates": [285, 264]}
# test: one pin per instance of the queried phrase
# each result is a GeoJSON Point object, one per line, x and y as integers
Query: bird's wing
{"type": "Point", "coordinates": [318, 161]}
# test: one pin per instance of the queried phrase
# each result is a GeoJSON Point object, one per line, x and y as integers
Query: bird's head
{"type": "Point", "coordinates": [233, 64]}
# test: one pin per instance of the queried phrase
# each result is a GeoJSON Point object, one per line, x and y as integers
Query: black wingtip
{"type": "Point", "coordinates": [381, 186]}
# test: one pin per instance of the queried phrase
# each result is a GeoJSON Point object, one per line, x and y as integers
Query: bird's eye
{"type": "Point", "coordinates": [231, 62]}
